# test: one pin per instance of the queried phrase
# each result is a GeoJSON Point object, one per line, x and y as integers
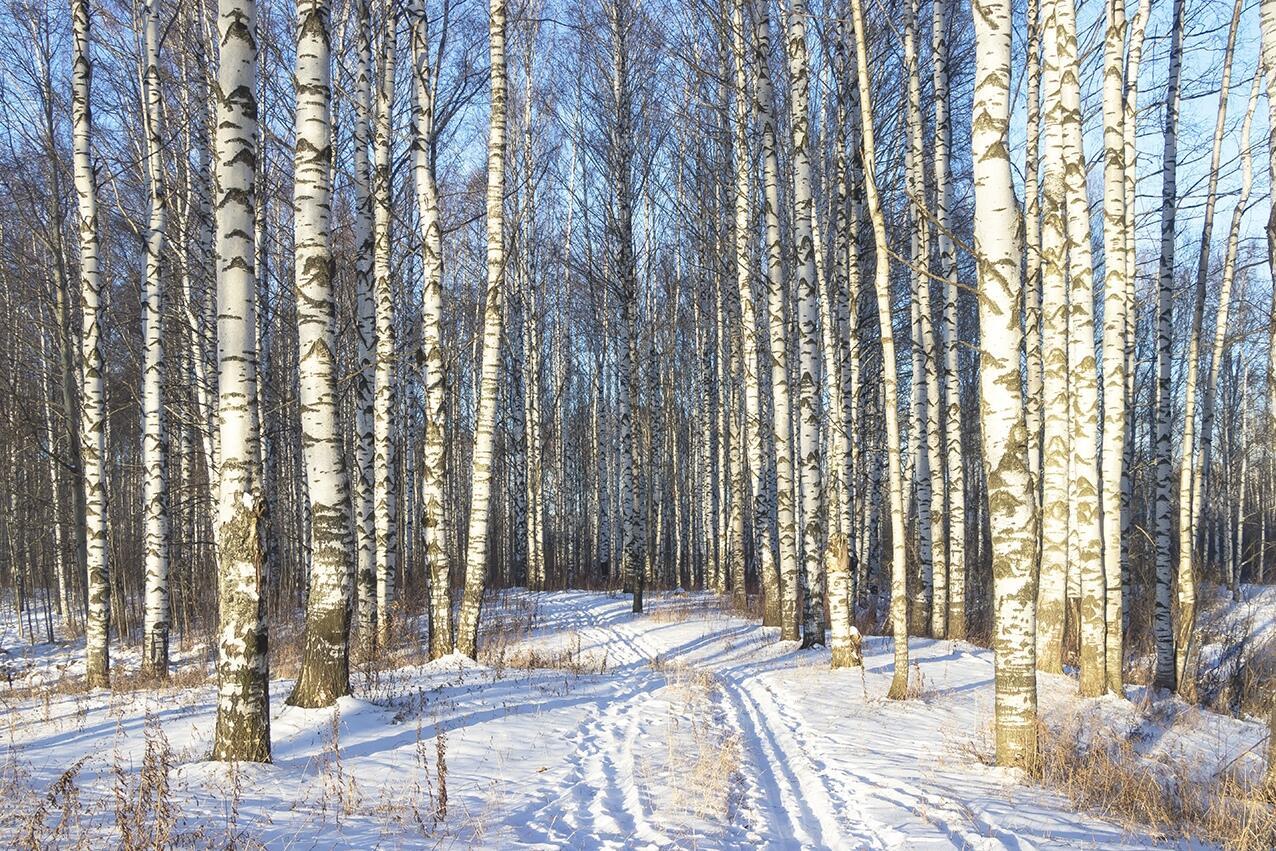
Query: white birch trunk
{"type": "Point", "coordinates": [890, 377]}
{"type": "Point", "coordinates": [764, 109]}
{"type": "Point", "coordinates": [1012, 517]}
{"type": "Point", "coordinates": [1081, 360]}
{"type": "Point", "coordinates": [1189, 476]}
{"type": "Point", "coordinates": [808, 317]}
{"type": "Point", "coordinates": [434, 373]}
{"type": "Point", "coordinates": [755, 444]}
{"type": "Point", "coordinates": [156, 618]}
{"type": "Point", "coordinates": [383, 403]}
{"type": "Point", "coordinates": [489, 381]}
{"type": "Point", "coordinates": [954, 494]}
{"type": "Point", "coordinates": [325, 668]}
{"type": "Point", "coordinates": [1052, 584]}
{"type": "Point", "coordinates": [97, 661]}
{"type": "Point", "coordinates": [243, 696]}
{"type": "Point", "coordinates": [365, 563]}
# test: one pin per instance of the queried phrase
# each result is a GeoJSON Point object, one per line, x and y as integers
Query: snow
{"type": "Point", "coordinates": [684, 727]}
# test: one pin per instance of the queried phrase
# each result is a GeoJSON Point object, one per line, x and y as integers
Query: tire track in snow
{"type": "Point", "coordinates": [944, 814]}
{"type": "Point", "coordinates": [816, 814]}
{"type": "Point", "coordinates": [601, 802]}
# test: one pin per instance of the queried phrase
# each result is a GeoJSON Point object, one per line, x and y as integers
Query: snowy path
{"type": "Point", "coordinates": [701, 730]}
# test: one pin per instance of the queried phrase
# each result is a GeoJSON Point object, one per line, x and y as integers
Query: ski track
{"type": "Point", "coordinates": [791, 796]}
{"type": "Point", "coordinates": [552, 759]}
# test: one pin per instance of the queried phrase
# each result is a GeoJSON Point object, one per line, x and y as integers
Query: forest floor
{"type": "Point", "coordinates": [582, 726]}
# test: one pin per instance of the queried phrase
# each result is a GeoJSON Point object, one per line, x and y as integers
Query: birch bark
{"type": "Point", "coordinates": [808, 317]}
{"type": "Point", "coordinates": [383, 403]}
{"type": "Point", "coordinates": [1189, 476]}
{"type": "Point", "coordinates": [325, 668]}
{"type": "Point", "coordinates": [97, 661]}
{"type": "Point", "coordinates": [1011, 514]}
{"type": "Point", "coordinates": [1163, 629]}
{"type": "Point", "coordinates": [489, 385]}
{"type": "Point", "coordinates": [434, 373]}
{"type": "Point", "coordinates": [243, 697]}
{"type": "Point", "coordinates": [784, 593]}
{"type": "Point", "coordinates": [156, 618]}
{"type": "Point", "coordinates": [890, 377]}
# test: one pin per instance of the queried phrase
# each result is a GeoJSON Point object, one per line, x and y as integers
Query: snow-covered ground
{"type": "Point", "coordinates": [586, 727]}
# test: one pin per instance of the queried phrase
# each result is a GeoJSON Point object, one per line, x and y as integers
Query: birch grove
{"type": "Point", "coordinates": [829, 312]}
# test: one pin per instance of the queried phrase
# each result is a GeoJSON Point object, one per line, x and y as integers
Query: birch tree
{"type": "Point", "coordinates": [325, 667]}
{"type": "Point", "coordinates": [154, 436]}
{"type": "Point", "coordinates": [1116, 241]}
{"type": "Point", "coordinates": [243, 695]}
{"type": "Point", "coordinates": [890, 378]}
{"type": "Point", "coordinates": [1190, 473]}
{"type": "Point", "coordinates": [785, 612]}
{"type": "Point", "coordinates": [1054, 340]}
{"type": "Point", "coordinates": [808, 318]}
{"type": "Point", "coordinates": [383, 403]}
{"type": "Point", "coordinates": [1201, 459]}
{"type": "Point", "coordinates": [754, 442]}
{"type": "Point", "coordinates": [365, 557]}
{"type": "Point", "coordinates": [433, 372]}
{"type": "Point", "coordinates": [931, 605]}
{"type": "Point", "coordinates": [1166, 675]}
{"type": "Point", "coordinates": [489, 382]}
{"type": "Point", "coordinates": [97, 661]}
{"type": "Point", "coordinates": [1061, 36]}
{"type": "Point", "coordinates": [954, 492]}
{"type": "Point", "coordinates": [1005, 435]}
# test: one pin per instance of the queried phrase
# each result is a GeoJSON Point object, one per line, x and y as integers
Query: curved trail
{"type": "Point", "coordinates": [781, 800]}
{"type": "Point", "coordinates": [817, 759]}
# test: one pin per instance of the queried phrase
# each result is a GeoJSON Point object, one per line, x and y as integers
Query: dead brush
{"type": "Point", "coordinates": [427, 799]}
{"type": "Point", "coordinates": [571, 658]}
{"type": "Point", "coordinates": [338, 785]}
{"type": "Point", "coordinates": [1239, 675]}
{"type": "Point", "coordinates": [702, 759]}
{"type": "Point", "coordinates": [61, 805]}
{"type": "Point", "coordinates": [144, 811]}
{"type": "Point", "coordinates": [509, 619]}
{"type": "Point", "coordinates": [1108, 776]}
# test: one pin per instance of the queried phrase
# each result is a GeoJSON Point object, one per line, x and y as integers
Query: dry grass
{"type": "Point", "coordinates": [702, 755]}
{"type": "Point", "coordinates": [503, 655]}
{"type": "Point", "coordinates": [1105, 774]}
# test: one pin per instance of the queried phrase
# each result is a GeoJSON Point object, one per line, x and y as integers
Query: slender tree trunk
{"type": "Point", "coordinates": [1033, 403]}
{"type": "Point", "coordinates": [1116, 241]}
{"type": "Point", "coordinates": [932, 603]}
{"type": "Point", "coordinates": [365, 562]}
{"type": "Point", "coordinates": [1190, 472]}
{"type": "Point", "coordinates": [762, 510]}
{"type": "Point", "coordinates": [489, 384]}
{"type": "Point", "coordinates": [890, 377]}
{"type": "Point", "coordinates": [154, 438]}
{"type": "Point", "coordinates": [243, 694]}
{"type": "Point", "coordinates": [808, 317]}
{"type": "Point", "coordinates": [434, 373]}
{"type": "Point", "coordinates": [1014, 532]}
{"type": "Point", "coordinates": [97, 661]}
{"type": "Point", "coordinates": [1081, 361]}
{"type": "Point", "coordinates": [1202, 460]}
{"type": "Point", "coordinates": [1163, 629]}
{"type": "Point", "coordinates": [1052, 588]}
{"type": "Point", "coordinates": [953, 503]}
{"type": "Point", "coordinates": [325, 667]}
{"type": "Point", "coordinates": [383, 403]}
{"type": "Point", "coordinates": [784, 612]}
